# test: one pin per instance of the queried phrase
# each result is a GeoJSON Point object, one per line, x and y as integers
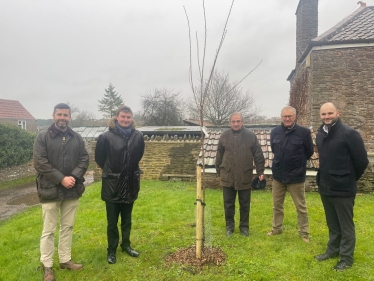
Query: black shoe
{"type": "Point", "coordinates": [244, 232]}
{"type": "Point", "coordinates": [229, 232]}
{"type": "Point", "coordinates": [323, 257]}
{"type": "Point", "coordinates": [131, 252]}
{"type": "Point", "coordinates": [341, 266]}
{"type": "Point", "coordinates": [112, 258]}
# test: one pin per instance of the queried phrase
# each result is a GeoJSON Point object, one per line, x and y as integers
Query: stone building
{"type": "Point", "coordinates": [336, 66]}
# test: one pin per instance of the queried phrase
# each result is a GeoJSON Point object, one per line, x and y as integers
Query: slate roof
{"type": "Point", "coordinates": [263, 136]}
{"type": "Point", "coordinates": [358, 26]}
{"type": "Point", "coordinates": [14, 109]}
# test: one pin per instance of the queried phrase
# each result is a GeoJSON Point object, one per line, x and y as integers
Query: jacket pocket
{"type": "Point", "coordinates": [80, 188]}
{"type": "Point", "coordinates": [296, 150]}
{"type": "Point", "coordinates": [224, 173]}
{"type": "Point", "coordinates": [247, 175]}
{"type": "Point", "coordinates": [136, 183]}
{"type": "Point", "coordinates": [276, 145]}
{"type": "Point", "coordinates": [340, 180]}
{"type": "Point", "coordinates": [110, 184]}
{"type": "Point", "coordinates": [46, 189]}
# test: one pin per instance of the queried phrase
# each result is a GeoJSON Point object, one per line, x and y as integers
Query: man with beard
{"type": "Point", "coordinates": [61, 160]}
{"type": "Point", "coordinates": [118, 152]}
{"type": "Point", "coordinates": [342, 161]}
{"type": "Point", "coordinates": [237, 149]}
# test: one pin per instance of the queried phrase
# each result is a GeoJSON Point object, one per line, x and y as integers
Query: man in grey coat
{"type": "Point", "coordinates": [61, 160]}
{"type": "Point", "coordinates": [237, 149]}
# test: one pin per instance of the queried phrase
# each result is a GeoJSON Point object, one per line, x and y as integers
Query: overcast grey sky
{"type": "Point", "coordinates": [57, 51]}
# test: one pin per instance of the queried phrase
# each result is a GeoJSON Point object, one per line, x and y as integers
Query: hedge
{"type": "Point", "coordinates": [16, 145]}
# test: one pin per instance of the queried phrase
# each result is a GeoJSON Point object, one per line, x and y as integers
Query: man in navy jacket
{"type": "Point", "coordinates": [342, 161]}
{"type": "Point", "coordinates": [292, 146]}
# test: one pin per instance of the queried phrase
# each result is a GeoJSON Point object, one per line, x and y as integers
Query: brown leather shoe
{"type": "Point", "coordinates": [272, 233]}
{"type": "Point", "coordinates": [48, 274]}
{"type": "Point", "coordinates": [305, 238]}
{"type": "Point", "coordinates": [71, 265]}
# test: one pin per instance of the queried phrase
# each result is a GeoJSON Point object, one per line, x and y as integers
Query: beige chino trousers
{"type": "Point", "coordinates": [68, 210]}
{"type": "Point", "coordinates": [297, 192]}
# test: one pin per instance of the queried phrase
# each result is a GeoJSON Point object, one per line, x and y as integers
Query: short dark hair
{"type": "Point", "coordinates": [124, 108]}
{"type": "Point", "coordinates": [61, 106]}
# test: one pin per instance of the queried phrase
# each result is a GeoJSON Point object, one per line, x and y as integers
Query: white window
{"type": "Point", "coordinates": [22, 124]}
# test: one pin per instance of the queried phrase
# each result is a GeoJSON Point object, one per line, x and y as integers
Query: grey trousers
{"type": "Point", "coordinates": [342, 234]}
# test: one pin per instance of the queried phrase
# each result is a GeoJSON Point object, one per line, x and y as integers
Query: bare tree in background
{"type": "Point", "coordinates": [162, 107]}
{"type": "Point", "coordinates": [223, 98]}
{"type": "Point", "coordinates": [74, 110]}
{"type": "Point", "coordinates": [84, 118]}
{"type": "Point", "coordinates": [79, 117]}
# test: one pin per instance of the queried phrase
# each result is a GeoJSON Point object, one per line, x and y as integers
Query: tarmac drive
{"type": "Point", "coordinates": [15, 199]}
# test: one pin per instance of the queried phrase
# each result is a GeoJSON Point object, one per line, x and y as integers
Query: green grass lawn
{"type": "Point", "coordinates": [163, 219]}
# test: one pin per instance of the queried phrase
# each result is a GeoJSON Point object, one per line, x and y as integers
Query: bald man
{"type": "Point", "coordinates": [342, 161]}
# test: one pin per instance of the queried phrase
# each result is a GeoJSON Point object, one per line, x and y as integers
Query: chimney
{"type": "Point", "coordinates": [361, 3]}
{"type": "Point", "coordinates": [306, 25]}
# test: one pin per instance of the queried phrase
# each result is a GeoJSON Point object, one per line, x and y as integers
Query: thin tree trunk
{"type": "Point", "coordinates": [199, 214]}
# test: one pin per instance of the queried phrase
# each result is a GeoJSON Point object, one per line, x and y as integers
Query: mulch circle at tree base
{"type": "Point", "coordinates": [187, 257]}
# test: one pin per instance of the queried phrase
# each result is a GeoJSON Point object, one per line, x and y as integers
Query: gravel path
{"type": "Point", "coordinates": [16, 199]}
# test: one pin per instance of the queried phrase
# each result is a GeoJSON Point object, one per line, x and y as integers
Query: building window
{"type": "Point", "coordinates": [22, 124]}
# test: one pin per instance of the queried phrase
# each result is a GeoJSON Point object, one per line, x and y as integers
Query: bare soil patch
{"type": "Point", "coordinates": [15, 199]}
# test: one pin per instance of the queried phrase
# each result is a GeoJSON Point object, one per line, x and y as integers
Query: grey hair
{"type": "Point", "coordinates": [289, 108]}
{"type": "Point", "coordinates": [236, 113]}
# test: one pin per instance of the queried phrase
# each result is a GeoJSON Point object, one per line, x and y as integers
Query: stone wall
{"type": "Point", "coordinates": [165, 160]}
{"type": "Point", "coordinates": [176, 160]}
{"type": "Point", "coordinates": [17, 172]}
{"type": "Point", "coordinates": [345, 77]}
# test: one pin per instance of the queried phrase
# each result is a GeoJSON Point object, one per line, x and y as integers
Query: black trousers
{"type": "Point", "coordinates": [229, 198]}
{"type": "Point", "coordinates": [113, 210]}
{"type": "Point", "coordinates": [339, 218]}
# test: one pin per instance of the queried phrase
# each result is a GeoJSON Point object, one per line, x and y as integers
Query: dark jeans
{"type": "Point", "coordinates": [229, 198]}
{"type": "Point", "coordinates": [113, 210]}
{"type": "Point", "coordinates": [339, 218]}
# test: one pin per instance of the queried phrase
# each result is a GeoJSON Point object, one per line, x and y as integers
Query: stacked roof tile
{"type": "Point", "coordinates": [263, 136]}
{"type": "Point", "coordinates": [14, 109]}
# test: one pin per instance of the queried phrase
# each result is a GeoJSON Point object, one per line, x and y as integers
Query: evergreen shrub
{"type": "Point", "coordinates": [16, 145]}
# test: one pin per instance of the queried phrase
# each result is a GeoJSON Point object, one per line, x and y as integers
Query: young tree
{"type": "Point", "coordinates": [223, 98]}
{"type": "Point", "coordinates": [110, 102]}
{"type": "Point", "coordinates": [200, 95]}
{"type": "Point", "coordinates": [161, 107]}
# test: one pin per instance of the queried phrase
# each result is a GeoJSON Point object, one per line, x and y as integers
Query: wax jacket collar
{"type": "Point", "coordinates": [53, 131]}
